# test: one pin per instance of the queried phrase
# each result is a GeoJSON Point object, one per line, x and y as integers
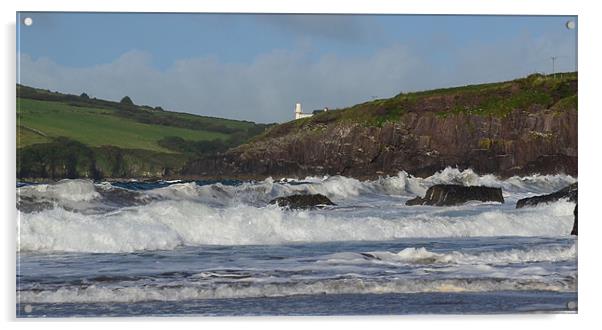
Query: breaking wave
{"type": "Point", "coordinates": [83, 216]}
{"type": "Point", "coordinates": [423, 256]}
{"type": "Point", "coordinates": [339, 187]}
{"type": "Point", "coordinates": [335, 187]}
{"type": "Point", "coordinates": [169, 224]}
{"type": "Point", "coordinates": [65, 190]}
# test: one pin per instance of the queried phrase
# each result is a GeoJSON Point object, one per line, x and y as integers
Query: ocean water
{"type": "Point", "coordinates": [219, 249]}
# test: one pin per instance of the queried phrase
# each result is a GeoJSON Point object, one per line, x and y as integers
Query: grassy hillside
{"type": "Point", "coordinates": [494, 99]}
{"type": "Point", "coordinates": [97, 122]}
{"type": "Point", "coordinates": [114, 138]}
{"type": "Point", "coordinates": [96, 127]}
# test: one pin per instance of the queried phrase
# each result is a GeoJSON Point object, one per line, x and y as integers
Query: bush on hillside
{"type": "Point", "coordinates": [126, 100]}
{"type": "Point", "coordinates": [61, 158]}
{"type": "Point", "coordinates": [178, 144]}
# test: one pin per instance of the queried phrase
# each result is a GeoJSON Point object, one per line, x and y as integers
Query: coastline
{"type": "Point", "coordinates": [277, 176]}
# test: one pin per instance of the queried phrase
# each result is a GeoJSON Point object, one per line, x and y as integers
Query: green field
{"type": "Point", "coordinates": [68, 136]}
{"type": "Point", "coordinates": [94, 127]}
{"type": "Point", "coordinates": [26, 136]}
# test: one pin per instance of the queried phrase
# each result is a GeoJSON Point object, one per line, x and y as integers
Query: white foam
{"type": "Point", "coordinates": [169, 224]}
{"type": "Point", "coordinates": [64, 190]}
{"type": "Point", "coordinates": [535, 183]}
{"type": "Point", "coordinates": [335, 286]}
{"type": "Point", "coordinates": [421, 255]}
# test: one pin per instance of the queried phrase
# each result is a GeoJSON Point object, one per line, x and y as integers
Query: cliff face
{"type": "Point", "coordinates": [421, 135]}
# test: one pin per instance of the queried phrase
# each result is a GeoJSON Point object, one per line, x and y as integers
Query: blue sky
{"type": "Point", "coordinates": [256, 67]}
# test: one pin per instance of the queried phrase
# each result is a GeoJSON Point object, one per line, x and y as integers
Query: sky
{"type": "Point", "coordinates": [257, 66]}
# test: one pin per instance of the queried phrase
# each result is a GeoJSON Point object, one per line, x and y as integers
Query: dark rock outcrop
{"type": "Point", "coordinates": [569, 192]}
{"type": "Point", "coordinates": [449, 194]}
{"type": "Point", "coordinates": [574, 231]}
{"type": "Point", "coordinates": [302, 201]}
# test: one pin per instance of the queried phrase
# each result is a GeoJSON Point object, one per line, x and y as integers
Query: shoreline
{"type": "Point", "coordinates": [276, 177]}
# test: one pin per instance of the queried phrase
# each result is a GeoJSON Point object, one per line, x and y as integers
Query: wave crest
{"type": "Point", "coordinates": [76, 190]}
{"type": "Point", "coordinates": [169, 224]}
{"type": "Point", "coordinates": [421, 255]}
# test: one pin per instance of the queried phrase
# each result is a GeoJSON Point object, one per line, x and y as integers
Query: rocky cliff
{"type": "Point", "coordinates": [521, 127]}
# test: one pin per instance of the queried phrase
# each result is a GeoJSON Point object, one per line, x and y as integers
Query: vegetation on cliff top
{"type": "Point", "coordinates": [535, 92]}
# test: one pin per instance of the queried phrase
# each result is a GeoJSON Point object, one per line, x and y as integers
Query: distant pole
{"type": "Point", "coordinates": [571, 25]}
{"type": "Point", "coordinates": [554, 65]}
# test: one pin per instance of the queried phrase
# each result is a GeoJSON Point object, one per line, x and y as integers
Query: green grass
{"type": "Point", "coordinates": [569, 102]}
{"type": "Point", "coordinates": [235, 124]}
{"type": "Point", "coordinates": [147, 114]}
{"type": "Point", "coordinates": [96, 126]}
{"type": "Point", "coordinates": [27, 136]}
{"type": "Point", "coordinates": [500, 106]}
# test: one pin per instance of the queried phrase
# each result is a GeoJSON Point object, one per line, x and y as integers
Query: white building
{"type": "Point", "coordinates": [299, 112]}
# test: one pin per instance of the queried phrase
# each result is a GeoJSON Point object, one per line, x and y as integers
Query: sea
{"type": "Point", "coordinates": [218, 248]}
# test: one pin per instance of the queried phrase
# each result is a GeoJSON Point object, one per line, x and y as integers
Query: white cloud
{"type": "Point", "coordinates": [266, 89]}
